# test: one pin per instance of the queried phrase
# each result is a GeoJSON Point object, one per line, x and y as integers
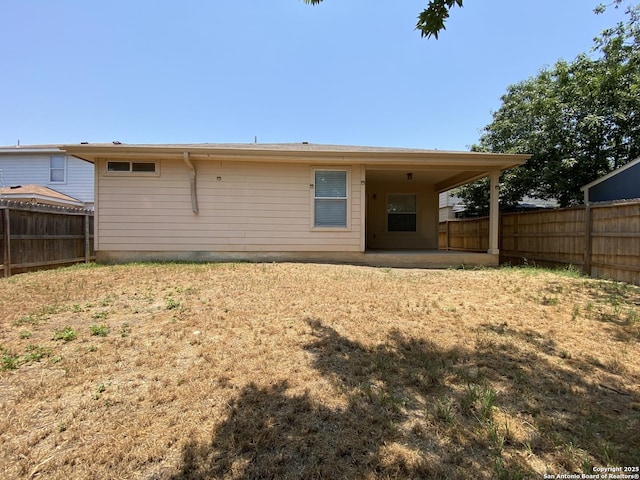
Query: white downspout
{"type": "Point", "coordinates": [192, 176]}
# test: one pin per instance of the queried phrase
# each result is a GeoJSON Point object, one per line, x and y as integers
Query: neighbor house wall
{"type": "Point", "coordinates": [446, 202]}
{"type": "Point", "coordinates": [243, 207]}
{"type": "Point", "coordinates": [426, 236]}
{"type": "Point", "coordinates": [623, 186]}
{"type": "Point", "coordinates": [33, 168]}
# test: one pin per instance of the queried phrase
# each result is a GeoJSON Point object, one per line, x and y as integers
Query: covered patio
{"type": "Point", "coordinates": [402, 208]}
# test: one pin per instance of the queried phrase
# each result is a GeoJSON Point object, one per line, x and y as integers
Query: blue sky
{"type": "Point", "coordinates": [349, 72]}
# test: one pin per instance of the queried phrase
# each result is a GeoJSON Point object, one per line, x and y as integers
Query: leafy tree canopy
{"type": "Point", "coordinates": [431, 20]}
{"type": "Point", "coordinates": [578, 119]}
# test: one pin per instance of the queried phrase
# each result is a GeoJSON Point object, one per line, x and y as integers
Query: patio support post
{"type": "Point", "coordinates": [494, 212]}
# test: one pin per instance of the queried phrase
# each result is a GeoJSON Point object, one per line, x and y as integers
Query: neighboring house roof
{"type": "Point", "coordinates": [450, 168]}
{"type": "Point", "coordinates": [615, 186]}
{"type": "Point", "coordinates": [617, 171]}
{"type": "Point", "coordinates": [38, 194]}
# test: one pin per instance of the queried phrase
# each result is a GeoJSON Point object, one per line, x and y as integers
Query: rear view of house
{"type": "Point", "coordinates": [276, 201]}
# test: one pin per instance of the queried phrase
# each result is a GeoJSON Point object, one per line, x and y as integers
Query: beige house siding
{"type": "Point", "coordinates": [243, 207]}
{"type": "Point", "coordinates": [426, 236]}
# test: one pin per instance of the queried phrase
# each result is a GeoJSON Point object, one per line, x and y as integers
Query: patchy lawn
{"type": "Point", "coordinates": [294, 371]}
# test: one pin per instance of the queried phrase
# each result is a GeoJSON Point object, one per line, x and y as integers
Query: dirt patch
{"type": "Point", "coordinates": [316, 371]}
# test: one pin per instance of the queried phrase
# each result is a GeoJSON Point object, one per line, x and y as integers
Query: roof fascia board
{"type": "Point", "coordinates": [426, 158]}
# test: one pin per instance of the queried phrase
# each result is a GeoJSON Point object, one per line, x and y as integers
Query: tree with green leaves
{"type": "Point", "coordinates": [431, 20]}
{"type": "Point", "coordinates": [578, 119]}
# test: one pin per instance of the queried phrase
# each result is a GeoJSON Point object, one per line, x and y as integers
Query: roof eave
{"type": "Point", "coordinates": [370, 157]}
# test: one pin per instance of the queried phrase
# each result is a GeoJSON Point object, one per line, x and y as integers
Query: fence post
{"type": "Point", "coordinates": [588, 239]}
{"type": "Point", "coordinates": [447, 234]}
{"type": "Point", "coordinates": [6, 239]}
{"type": "Point", "coordinates": [516, 243]}
{"type": "Point", "coordinates": [87, 244]}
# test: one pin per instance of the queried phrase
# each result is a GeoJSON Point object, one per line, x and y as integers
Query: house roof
{"type": "Point", "coordinates": [38, 194]}
{"type": "Point", "coordinates": [453, 168]}
{"type": "Point", "coordinates": [94, 150]}
{"type": "Point", "coordinates": [611, 174]}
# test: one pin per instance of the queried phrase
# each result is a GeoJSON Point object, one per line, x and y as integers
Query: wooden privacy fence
{"type": "Point", "coordinates": [469, 235]}
{"type": "Point", "coordinates": [35, 237]}
{"type": "Point", "coordinates": [601, 238]}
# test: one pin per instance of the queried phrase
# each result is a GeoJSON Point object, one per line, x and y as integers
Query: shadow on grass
{"type": "Point", "coordinates": [623, 312]}
{"type": "Point", "coordinates": [413, 409]}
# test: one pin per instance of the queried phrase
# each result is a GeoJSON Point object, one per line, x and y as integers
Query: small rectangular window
{"type": "Point", "coordinates": [143, 167]}
{"type": "Point", "coordinates": [401, 212]}
{"type": "Point", "coordinates": [57, 169]}
{"type": "Point", "coordinates": [131, 167]}
{"type": "Point", "coordinates": [330, 198]}
{"type": "Point", "coordinates": [118, 166]}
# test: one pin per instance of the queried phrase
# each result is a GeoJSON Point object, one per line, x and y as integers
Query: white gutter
{"type": "Point", "coordinates": [192, 175]}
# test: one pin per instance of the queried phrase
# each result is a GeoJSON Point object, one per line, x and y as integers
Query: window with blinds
{"type": "Point", "coordinates": [330, 198]}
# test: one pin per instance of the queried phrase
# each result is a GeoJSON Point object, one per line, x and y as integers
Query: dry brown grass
{"type": "Point", "coordinates": [316, 371]}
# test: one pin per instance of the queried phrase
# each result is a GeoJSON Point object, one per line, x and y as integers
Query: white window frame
{"type": "Point", "coordinates": [387, 213]}
{"type": "Point", "coordinates": [313, 198]}
{"type": "Point", "coordinates": [64, 170]}
{"type": "Point", "coordinates": [130, 171]}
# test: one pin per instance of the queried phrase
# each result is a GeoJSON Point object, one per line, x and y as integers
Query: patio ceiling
{"type": "Point", "coordinates": [441, 179]}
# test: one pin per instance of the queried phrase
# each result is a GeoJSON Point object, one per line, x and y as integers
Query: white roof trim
{"type": "Point", "coordinates": [31, 149]}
